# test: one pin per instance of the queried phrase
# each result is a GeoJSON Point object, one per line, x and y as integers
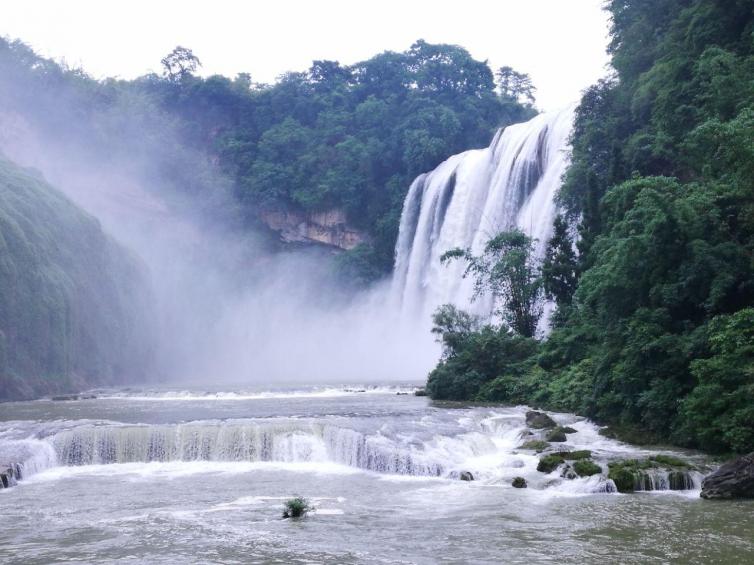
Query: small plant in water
{"type": "Point", "coordinates": [295, 507]}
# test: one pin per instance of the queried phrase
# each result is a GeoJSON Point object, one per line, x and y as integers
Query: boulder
{"type": "Point", "coordinates": [466, 476]}
{"type": "Point", "coordinates": [519, 482]}
{"type": "Point", "coordinates": [568, 430]}
{"type": "Point", "coordinates": [420, 392]}
{"type": "Point", "coordinates": [537, 445]}
{"type": "Point", "coordinates": [556, 435]}
{"type": "Point", "coordinates": [539, 420]}
{"type": "Point", "coordinates": [735, 479]}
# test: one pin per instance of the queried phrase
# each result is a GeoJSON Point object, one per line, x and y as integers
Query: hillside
{"type": "Point", "coordinates": [72, 302]}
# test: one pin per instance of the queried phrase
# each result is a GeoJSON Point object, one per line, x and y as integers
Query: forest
{"type": "Point", "coordinates": [651, 263]}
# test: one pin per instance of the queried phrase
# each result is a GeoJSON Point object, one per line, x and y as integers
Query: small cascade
{"type": "Point", "coordinates": [288, 442]}
{"type": "Point", "coordinates": [468, 199]}
{"type": "Point", "coordinates": [663, 479]}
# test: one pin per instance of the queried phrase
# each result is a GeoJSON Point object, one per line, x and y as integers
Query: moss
{"type": "Point", "coordinates": [575, 455]}
{"type": "Point", "coordinates": [670, 461]}
{"type": "Point", "coordinates": [586, 468]}
{"type": "Point", "coordinates": [568, 430]}
{"type": "Point", "coordinates": [537, 445]}
{"type": "Point", "coordinates": [623, 478]}
{"type": "Point", "coordinates": [549, 463]}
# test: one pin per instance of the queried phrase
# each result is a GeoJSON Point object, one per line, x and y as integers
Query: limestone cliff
{"type": "Point", "coordinates": [329, 227]}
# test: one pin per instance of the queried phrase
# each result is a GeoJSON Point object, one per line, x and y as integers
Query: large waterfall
{"type": "Point", "coordinates": [468, 199]}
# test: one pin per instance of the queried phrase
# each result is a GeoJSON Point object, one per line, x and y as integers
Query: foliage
{"type": "Point", "coordinates": [332, 136]}
{"type": "Point", "coordinates": [296, 507]}
{"type": "Point", "coordinates": [72, 302]}
{"type": "Point", "coordinates": [586, 468]}
{"type": "Point", "coordinates": [508, 272]}
{"type": "Point", "coordinates": [654, 324]}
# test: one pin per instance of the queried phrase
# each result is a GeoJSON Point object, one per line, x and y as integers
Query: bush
{"type": "Point", "coordinates": [296, 507]}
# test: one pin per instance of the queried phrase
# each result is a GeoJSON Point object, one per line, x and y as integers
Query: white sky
{"type": "Point", "coordinates": [560, 43]}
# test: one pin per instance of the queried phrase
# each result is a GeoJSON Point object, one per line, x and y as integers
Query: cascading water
{"type": "Point", "coordinates": [471, 197]}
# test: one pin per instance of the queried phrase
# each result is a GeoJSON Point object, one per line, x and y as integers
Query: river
{"type": "Point", "coordinates": [198, 476]}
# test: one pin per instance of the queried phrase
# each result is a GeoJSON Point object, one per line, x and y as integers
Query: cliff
{"type": "Point", "coordinates": [329, 228]}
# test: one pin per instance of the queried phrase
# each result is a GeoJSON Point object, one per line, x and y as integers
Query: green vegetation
{"type": "Point", "coordinates": [519, 482]}
{"type": "Point", "coordinates": [72, 303]}
{"type": "Point", "coordinates": [575, 455]}
{"type": "Point", "coordinates": [654, 328]}
{"type": "Point", "coordinates": [556, 435]}
{"type": "Point", "coordinates": [296, 507]}
{"type": "Point", "coordinates": [332, 136]}
{"type": "Point", "coordinates": [586, 468]}
{"type": "Point", "coordinates": [548, 463]}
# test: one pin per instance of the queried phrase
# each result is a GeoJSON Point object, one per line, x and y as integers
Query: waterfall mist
{"type": "Point", "coordinates": [228, 307]}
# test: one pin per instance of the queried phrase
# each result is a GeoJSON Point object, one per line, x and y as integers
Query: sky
{"type": "Point", "coordinates": [559, 43]}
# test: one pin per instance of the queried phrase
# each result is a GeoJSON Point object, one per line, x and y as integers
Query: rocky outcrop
{"type": "Point", "coordinates": [539, 420]}
{"type": "Point", "coordinates": [735, 479]}
{"type": "Point", "coordinates": [329, 227]}
{"type": "Point", "coordinates": [9, 475]}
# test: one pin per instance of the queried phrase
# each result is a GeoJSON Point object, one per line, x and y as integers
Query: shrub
{"type": "Point", "coordinates": [296, 507]}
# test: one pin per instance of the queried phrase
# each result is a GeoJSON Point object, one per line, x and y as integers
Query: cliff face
{"type": "Point", "coordinates": [325, 228]}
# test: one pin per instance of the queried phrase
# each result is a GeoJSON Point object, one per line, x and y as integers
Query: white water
{"type": "Point", "coordinates": [376, 432]}
{"type": "Point", "coordinates": [471, 197]}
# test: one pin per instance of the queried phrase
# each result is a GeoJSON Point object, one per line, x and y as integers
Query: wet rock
{"type": "Point", "coordinates": [539, 420]}
{"type": "Point", "coordinates": [466, 476]}
{"type": "Point", "coordinates": [568, 430]}
{"type": "Point", "coordinates": [519, 482]}
{"type": "Point", "coordinates": [735, 479]}
{"type": "Point", "coordinates": [537, 445]}
{"type": "Point", "coordinates": [569, 473]}
{"type": "Point", "coordinates": [63, 397]}
{"type": "Point", "coordinates": [420, 392]}
{"type": "Point", "coordinates": [9, 475]}
{"type": "Point", "coordinates": [575, 455]}
{"type": "Point", "coordinates": [556, 435]}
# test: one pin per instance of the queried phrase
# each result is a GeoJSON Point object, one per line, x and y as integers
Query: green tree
{"type": "Point", "coordinates": [509, 273]}
{"type": "Point", "coordinates": [179, 63]}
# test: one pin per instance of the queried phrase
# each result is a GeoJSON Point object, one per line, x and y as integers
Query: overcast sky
{"type": "Point", "coordinates": [560, 43]}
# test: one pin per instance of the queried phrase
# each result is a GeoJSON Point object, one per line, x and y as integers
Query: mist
{"type": "Point", "coordinates": [230, 306]}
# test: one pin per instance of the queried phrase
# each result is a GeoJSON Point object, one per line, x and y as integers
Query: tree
{"type": "Point", "coordinates": [507, 270]}
{"type": "Point", "coordinates": [560, 267]}
{"type": "Point", "coordinates": [179, 63]}
{"type": "Point", "coordinates": [514, 85]}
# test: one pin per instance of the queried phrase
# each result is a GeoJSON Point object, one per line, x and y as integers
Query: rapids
{"type": "Point", "coordinates": [194, 476]}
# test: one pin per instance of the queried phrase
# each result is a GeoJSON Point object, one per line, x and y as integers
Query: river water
{"type": "Point", "coordinates": [196, 476]}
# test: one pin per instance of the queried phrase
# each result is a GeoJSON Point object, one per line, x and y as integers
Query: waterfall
{"type": "Point", "coordinates": [471, 197]}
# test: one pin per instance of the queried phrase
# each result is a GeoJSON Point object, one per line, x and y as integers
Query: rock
{"type": "Point", "coordinates": [9, 475]}
{"type": "Point", "coordinates": [420, 392]}
{"type": "Point", "coordinates": [519, 482]}
{"type": "Point", "coordinates": [556, 435]}
{"type": "Point", "coordinates": [539, 420]}
{"type": "Point", "coordinates": [329, 227]}
{"type": "Point", "coordinates": [537, 445]}
{"type": "Point", "coordinates": [569, 473]}
{"type": "Point", "coordinates": [568, 430]}
{"type": "Point", "coordinates": [466, 476]}
{"type": "Point", "coordinates": [735, 479]}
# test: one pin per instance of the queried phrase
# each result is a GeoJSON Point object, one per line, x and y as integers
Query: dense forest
{"type": "Point", "coordinates": [331, 137]}
{"type": "Point", "coordinates": [651, 262]}
{"type": "Point", "coordinates": [73, 303]}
